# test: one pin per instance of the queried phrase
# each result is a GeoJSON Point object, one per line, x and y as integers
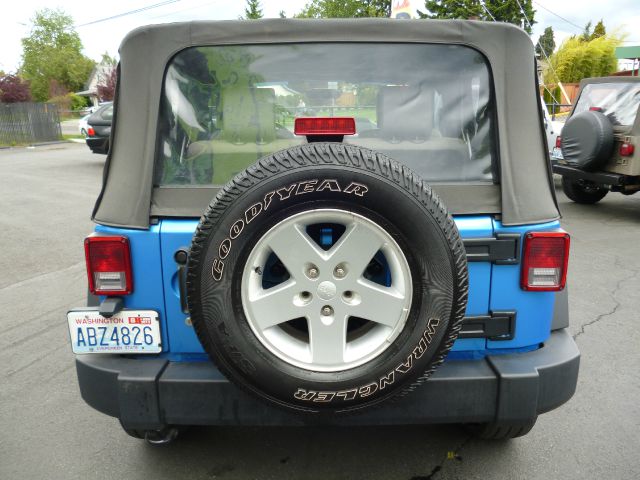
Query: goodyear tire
{"type": "Point", "coordinates": [327, 278]}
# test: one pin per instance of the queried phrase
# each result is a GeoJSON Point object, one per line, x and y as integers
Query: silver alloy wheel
{"type": "Point", "coordinates": [327, 288]}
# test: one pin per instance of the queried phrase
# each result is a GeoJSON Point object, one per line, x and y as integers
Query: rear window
{"type": "Point", "coordinates": [618, 101]}
{"type": "Point", "coordinates": [428, 106]}
{"type": "Point", "coordinates": [107, 113]}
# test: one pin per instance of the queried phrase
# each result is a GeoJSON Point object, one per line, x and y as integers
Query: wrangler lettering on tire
{"type": "Point", "coordinates": [327, 278]}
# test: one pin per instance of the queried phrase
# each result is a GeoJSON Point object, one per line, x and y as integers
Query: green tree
{"type": "Point", "coordinates": [546, 43]}
{"type": "Point", "coordinates": [586, 33]}
{"type": "Point", "coordinates": [253, 10]}
{"type": "Point", "coordinates": [53, 53]}
{"type": "Point", "coordinates": [346, 9]}
{"type": "Point", "coordinates": [509, 11]}
{"type": "Point", "coordinates": [598, 31]}
{"type": "Point", "coordinates": [282, 14]}
{"type": "Point", "coordinates": [577, 59]}
{"type": "Point", "coordinates": [108, 60]}
{"type": "Point", "coordinates": [445, 9]}
{"type": "Point", "coordinates": [518, 12]}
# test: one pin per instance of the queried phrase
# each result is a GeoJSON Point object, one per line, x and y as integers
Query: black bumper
{"type": "Point", "coordinates": [98, 144]}
{"type": "Point", "coordinates": [601, 178]}
{"type": "Point", "coordinates": [151, 393]}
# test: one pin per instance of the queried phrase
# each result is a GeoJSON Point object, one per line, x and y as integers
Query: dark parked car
{"type": "Point", "coordinates": [99, 129]}
{"type": "Point", "coordinates": [243, 276]}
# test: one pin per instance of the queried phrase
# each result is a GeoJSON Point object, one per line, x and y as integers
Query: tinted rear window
{"type": "Point", "coordinates": [428, 106]}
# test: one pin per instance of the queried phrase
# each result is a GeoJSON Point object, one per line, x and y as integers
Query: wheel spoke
{"type": "Point", "coordinates": [357, 247]}
{"type": "Point", "coordinates": [328, 342]}
{"type": "Point", "coordinates": [275, 306]}
{"type": "Point", "coordinates": [379, 304]}
{"type": "Point", "coordinates": [326, 288]}
{"type": "Point", "coordinates": [295, 249]}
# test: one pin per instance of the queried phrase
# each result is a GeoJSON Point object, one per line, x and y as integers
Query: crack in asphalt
{"type": "Point", "coordinates": [450, 455]}
{"type": "Point", "coordinates": [34, 361]}
{"type": "Point", "coordinates": [25, 281]}
{"type": "Point", "coordinates": [613, 293]}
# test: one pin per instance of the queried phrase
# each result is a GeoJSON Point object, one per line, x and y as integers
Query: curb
{"type": "Point", "coordinates": [44, 144]}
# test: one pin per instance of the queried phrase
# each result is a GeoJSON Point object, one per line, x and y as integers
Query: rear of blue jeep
{"type": "Point", "coordinates": [432, 108]}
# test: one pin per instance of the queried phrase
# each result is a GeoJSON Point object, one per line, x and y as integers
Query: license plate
{"type": "Point", "coordinates": [557, 153]}
{"type": "Point", "coordinates": [129, 331]}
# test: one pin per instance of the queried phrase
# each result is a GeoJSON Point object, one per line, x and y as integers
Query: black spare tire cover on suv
{"type": "Point", "coordinates": [328, 278]}
{"type": "Point", "coordinates": [587, 139]}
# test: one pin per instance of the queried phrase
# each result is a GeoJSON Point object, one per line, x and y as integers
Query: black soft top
{"type": "Point", "coordinates": [525, 194]}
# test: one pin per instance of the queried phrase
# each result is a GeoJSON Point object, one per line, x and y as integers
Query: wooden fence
{"type": "Point", "coordinates": [29, 123]}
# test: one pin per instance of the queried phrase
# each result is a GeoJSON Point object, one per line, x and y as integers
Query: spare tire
{"type": "Point", "coordinates": [327, 278]}
{"type": "Point", "coordinates": [587, 140]}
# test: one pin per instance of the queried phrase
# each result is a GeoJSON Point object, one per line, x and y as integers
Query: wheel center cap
{"type": "Point", "coordinates": [326, 290]}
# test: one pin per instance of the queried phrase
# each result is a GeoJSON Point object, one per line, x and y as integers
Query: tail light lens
{"type": "Point", "coordinates": [558, 142]}
{"type": "Point", "coordinates": [545, 260]}
{"type": "Point", "coordinates": [324, 126]}
{"type": "Point", "coordinates": [626, 149]}
{"type": "Point", "coordinates": [108, 265]}
{"type": "Point", "coordinates": [91, 132]}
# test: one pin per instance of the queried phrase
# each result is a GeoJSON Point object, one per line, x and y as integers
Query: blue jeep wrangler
{"type": "Point", "coordinates": [302, 220]}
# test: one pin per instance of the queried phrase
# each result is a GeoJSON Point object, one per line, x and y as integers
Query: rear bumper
{"type": "Point", "coordinates": [151, 393]}
{"type": "Point", "coordinates": [602, 178]}
{"type": "Point", "coordinates": [98, 144]}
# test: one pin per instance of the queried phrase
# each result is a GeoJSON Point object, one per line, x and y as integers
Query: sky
{"type": "Point", "coordinates": [105, 36]}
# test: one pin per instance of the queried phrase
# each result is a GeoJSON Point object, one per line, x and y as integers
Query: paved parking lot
{"type": "Point", "coordinates": [46, 197]}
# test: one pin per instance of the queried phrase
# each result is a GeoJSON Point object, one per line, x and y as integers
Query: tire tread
{"type": "Point", "coordinates": [355, 157]}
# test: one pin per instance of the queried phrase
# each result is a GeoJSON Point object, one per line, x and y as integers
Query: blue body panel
{"type": "Point", "coordinates": [177, 234]}
{"type": "Point", "coordinates": [479, 278]}
{"type": "Point", "coordinates": [147, 273]}
{"type": "Point", "coordinates": [534, 309]}
{"type": "Point", "coordinates": [492, 288]}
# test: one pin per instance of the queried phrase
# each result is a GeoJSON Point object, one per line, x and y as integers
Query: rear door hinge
{"type": "Point", "coordinates": [503, 249]}
{"type": "Point", "coordinates": [498, 325]}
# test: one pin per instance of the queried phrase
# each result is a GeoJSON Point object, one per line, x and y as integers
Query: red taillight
{"type": "Point", "coordinates": [626, 149]}
{"type": "Point", "coordinates": [595, 109]}
{"type": "Point", "coordinates": [544, 261]}
{"type": "Point", "coordinates": [108, 265]}
{"type": "Point", "coordinates": [324, 126]}
{"type": "Point", "coordinates": [91, 132]}
{"type": "Point", "coordinates": [558, 142]}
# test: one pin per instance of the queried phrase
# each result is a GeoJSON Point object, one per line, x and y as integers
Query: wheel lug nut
{"type": "Point", "coordinates": [326, 311]}
{"type": "Point", "coordinates": [339, 272]}
{"type": "Point", "coordinates": [312, 272]}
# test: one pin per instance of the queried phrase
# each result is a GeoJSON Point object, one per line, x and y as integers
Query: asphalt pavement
{"type": "Point", "coordinates": [46, 430]}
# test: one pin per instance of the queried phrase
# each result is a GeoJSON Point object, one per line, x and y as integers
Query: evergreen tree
{"type": "Point", "coordinates": [509, 11]}
{"type": "Point", "coordinates": [463, 9]}
{"type": "Point", "coordinates": [253, 10]}
{"type": "Point", "coordinates": [598, 31]}
{"type": "Point", "coordinates": [586, 33]}
{"type": "Point", "coordinates": [346, 9]}
{"type": "Point", "coordinates": [546, 43]}
{"type": "Point", "coordinates": [499, 10]}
